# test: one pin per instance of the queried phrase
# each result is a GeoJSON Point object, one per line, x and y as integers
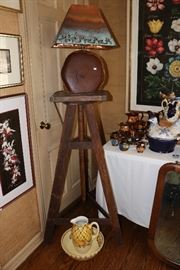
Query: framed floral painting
{"type": "Point", "coordinates": [15, 158]}
{"type": "Point", "coordinates": [155, 52]}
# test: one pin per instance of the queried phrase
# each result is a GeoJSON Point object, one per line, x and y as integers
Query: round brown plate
{"type": "Point", "coordinates": [83, 71]}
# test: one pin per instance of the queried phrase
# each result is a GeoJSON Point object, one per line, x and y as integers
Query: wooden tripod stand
{"type": "Point", "coordinates": [85, 103]}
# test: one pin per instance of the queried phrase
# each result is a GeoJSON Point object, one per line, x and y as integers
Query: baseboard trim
{"type": "Point", "coordinates": [19, 258]}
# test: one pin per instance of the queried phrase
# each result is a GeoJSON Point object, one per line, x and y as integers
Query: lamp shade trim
{"type": "Point", "coordinates": [84, 38]}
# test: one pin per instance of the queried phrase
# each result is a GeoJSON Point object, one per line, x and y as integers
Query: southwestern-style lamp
{"type": "Point", "coordinates": [85, 28]}
{"type": "Point", "coordinates": [83, 72]}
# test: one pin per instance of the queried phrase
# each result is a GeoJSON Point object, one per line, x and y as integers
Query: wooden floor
{"type": "Point", "coordinates": [132, 254]}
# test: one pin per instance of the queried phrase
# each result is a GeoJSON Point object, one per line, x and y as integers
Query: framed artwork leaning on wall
{"type": "Point", "coordinates": [16, 173]}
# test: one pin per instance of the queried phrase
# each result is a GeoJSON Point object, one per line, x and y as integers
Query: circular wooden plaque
{"type": "Point", "coordinates": [83, 71]}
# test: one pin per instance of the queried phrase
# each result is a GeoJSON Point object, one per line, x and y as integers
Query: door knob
{"type": "Point", "coordinates": [44, 125]}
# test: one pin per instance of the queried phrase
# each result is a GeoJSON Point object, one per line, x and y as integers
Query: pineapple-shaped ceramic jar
{"type": "Point", "coordinates": [83, 233]}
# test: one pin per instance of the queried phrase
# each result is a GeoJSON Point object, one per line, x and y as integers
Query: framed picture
{"type": "Point", "coordinates": [11, 65]}
{"type": "Point", "coordinates": [155, 53]}
{"type": "Point", "coordinates": [16, 175]}
{"type": "Point", "coordinates": [12, 5]}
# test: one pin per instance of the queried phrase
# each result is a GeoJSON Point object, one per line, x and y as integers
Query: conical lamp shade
{"type": "Point", "coordinates": [85, 27]}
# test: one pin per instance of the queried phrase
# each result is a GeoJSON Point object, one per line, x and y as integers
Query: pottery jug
{"type": "Point", "coordinates": [171, 109]}
{"type": "Point", "coordinates": [82, 232]}
{"type": "Point", "coordinates": [140, 147]}
{"type": "Point", "coordinates": [133, 117]}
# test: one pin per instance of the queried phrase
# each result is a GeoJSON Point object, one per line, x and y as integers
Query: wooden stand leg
{"type": "Point", "coordinates": [99, 153]}
{"type": "Point", "coordinates": [60, 171]}
{"type": "Point", "coordinates": [82, 153]}
{"type": "Point", "coordinates": [99, 121]}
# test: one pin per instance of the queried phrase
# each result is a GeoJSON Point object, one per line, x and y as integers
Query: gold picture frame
{"type": "Point", "coordinates": [11, 5]}
{"type": "Point", "coordinates": [11, 62]}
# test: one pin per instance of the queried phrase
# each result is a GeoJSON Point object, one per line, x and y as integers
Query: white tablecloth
{"type": "Point", "coordinates": [133, 178]}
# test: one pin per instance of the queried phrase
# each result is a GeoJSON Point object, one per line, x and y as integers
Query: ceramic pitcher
{"type": "Point", "coordinates": [82, 232]}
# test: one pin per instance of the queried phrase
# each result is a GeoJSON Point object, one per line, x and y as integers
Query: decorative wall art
{"type": "Point", "coordinates": [12, 5]}
{"type": "Point", "coordinates": [11, 66]}
{"type": "Point", "coordinates": [15, 157]}
{"type": "Point", "coordinates": [155, 52]}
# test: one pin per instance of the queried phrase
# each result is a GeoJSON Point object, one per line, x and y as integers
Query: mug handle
{"type": "Point", "coordinates": [95, 224]}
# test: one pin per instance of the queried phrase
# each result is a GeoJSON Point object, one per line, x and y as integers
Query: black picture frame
{"type": "Point", "coordinates": [154, 34]}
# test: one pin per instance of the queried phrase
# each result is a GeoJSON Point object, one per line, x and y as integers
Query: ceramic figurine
{"type": "Point", "coordinates": [171, 107]}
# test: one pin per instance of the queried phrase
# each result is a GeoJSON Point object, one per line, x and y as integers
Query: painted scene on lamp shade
{"type": "Point", "coordinates": [12, 169]}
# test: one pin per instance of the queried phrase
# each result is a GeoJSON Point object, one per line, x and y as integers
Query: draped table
{"type": "Point", "coordinates": [133, 178]}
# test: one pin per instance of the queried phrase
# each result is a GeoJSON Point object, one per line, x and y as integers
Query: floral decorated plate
{"type": "Point", "coordinates": [68, 247]}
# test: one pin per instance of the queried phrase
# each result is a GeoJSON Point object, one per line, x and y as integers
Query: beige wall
{"type": "Point", "coordinates": [113, 112]}
{"type": "Point", "coordinates": [19, 220]}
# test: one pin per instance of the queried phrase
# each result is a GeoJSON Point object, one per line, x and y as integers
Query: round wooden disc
{"type": "Point", "coordinates": [83, 71]}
